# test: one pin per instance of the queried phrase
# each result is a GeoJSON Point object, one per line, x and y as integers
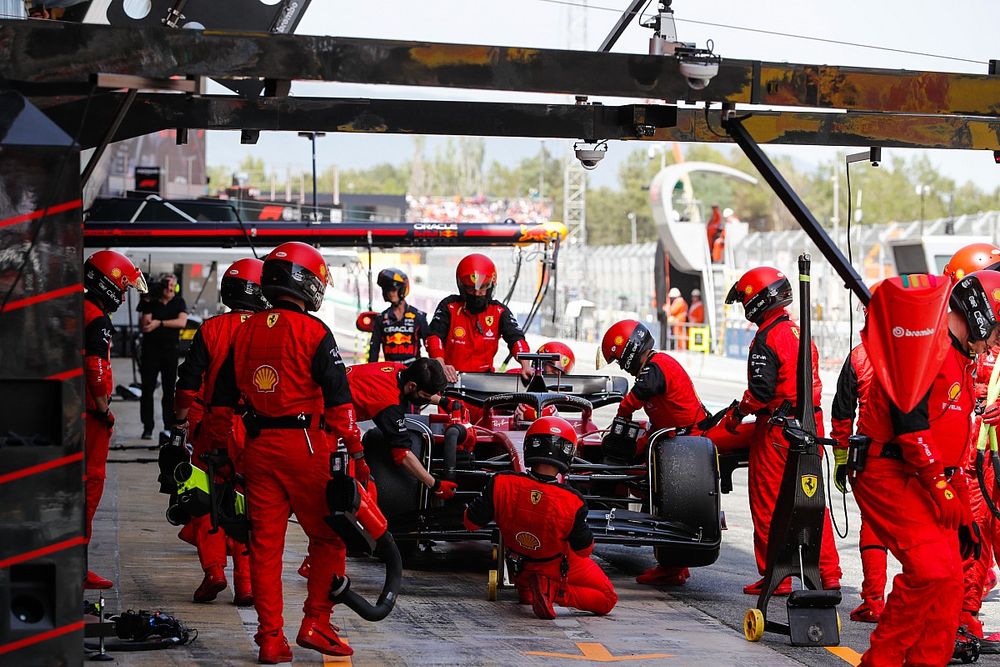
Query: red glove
{"type": "Point", "coordinates": [991, 415]}
{"type": "Point", "coordinates": [733, 420]}
{"type": "Point", "coordinates": [444, 489]}
{"type": "Point", "coordinates": [950, 510]}
{"type": "Point", "coordinates": [361, 472]}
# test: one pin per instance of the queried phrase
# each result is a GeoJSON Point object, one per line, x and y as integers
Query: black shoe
{"type": "Point", "coordinates": [147, 434]}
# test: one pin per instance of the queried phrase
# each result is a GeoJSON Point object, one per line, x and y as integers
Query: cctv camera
{"type": "Point", "coordinates": [589, 155]}
{"type": "Point", "coordinates": [699, 72]}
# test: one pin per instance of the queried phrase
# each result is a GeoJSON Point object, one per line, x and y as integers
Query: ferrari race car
{"type": "Point", "coordinates": [670, 500]}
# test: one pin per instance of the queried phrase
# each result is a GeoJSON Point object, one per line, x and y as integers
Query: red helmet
{"type": "Point", "coordinates": [107, 274]}
{"type": "Point", "coordinates": [973, 257]}
{"type": "Point", "coordinates": [550, 440]}
{"type": "Point", "coordinates": [476, 272]}
{"type": "Point", "coordinates": [298, 270]}
{"type": "Point", "coordinates": [394, 278]}
{"type": "Point", "coordinates": [627, 342]}
{"type": "Point", "coordinates": [241, 285]}
{"type": "Point", "coordinates": [566, 357]}
{"type": "Point", "coordinates": [977, 298]}
{"type": "Point", "coordinates": [761, 290]}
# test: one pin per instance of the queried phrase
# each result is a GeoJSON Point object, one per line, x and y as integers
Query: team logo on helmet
{"type": "Point", "coordinates": [281, 253]}
{"type": "Point", "coordinates": [116, 273]}
{"type": "Point", "coordinates": [459, 332]}
{"type": "Point", "coordinates": [619, 340]}
{"type": "Point", "coordinates": [490, 320]}
{"type": "Point", "coordinates": [322, 271]}
{"type": "Point", "coordinates": [265, 378]}
{"type": "Point", "coordinates": [528, 541]}
{"type": "Point", "coordinates": [272, 319]}
{"type": "Point", "coordinates": [535, 496]}
{"type": "Point", "coordinates": [563, 360]}
{"type": "Point", "coordinates": [809, 485]}
{"type": "Point", "coordinates": [748, 290]}
{"type": "Point", "coordinates": [996, 294]}
{"type": "Point", "coordinates": [474, 277]}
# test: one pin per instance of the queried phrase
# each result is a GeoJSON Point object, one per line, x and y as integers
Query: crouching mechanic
{"type": "Point", "coordinates": [196, 379]}
{"type": "Point", "coordinates": [544, 526]}
{"type": "Point", "coordinates": [107, 275]}
{"type": "Point", "coordinates": [285, 364]}
{"type": "Point", "coordinates": [772, 365]}
{"type": "Point", "coordinates": [381, 393]}
{"type": "Point", "coordinates": [665, 391]}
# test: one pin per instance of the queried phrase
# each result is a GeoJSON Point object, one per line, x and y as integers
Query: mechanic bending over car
{"type": "Point", "coordinates": [467, 327]}
{"type": "Point", "coordinates": [544, 526]}
{"type": "Point", "coordinates": [772, 365]}
{"type": "Point", "coordinates": [665, 391]}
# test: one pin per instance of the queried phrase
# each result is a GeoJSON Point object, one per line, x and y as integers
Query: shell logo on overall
{"type": "Point", "coordinates": [265, 379]}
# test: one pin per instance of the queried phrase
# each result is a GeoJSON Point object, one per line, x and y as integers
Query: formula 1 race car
{"type": "Point", "coordinates": [670, 500]}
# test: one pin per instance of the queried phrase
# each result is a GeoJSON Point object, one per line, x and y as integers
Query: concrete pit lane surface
{"type": "Point", "coordinates": [443, 616]}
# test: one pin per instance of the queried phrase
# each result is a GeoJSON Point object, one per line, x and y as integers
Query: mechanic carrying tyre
{"type": "Point", "coordinates": [772, 365]}
{"type": "Point", "coordinates": [107, 275]}
{"type": "Point", "coordinates": [467, 327]}
{"type": "Point", "coordinates": [285, 364]}
{"type": "Point", "coordinates": [399, 329]}
{"type": "Point", "coordinates": [665, 391]}
{"type": "Point", "coordinates": [544, 526]}
{"type": "Point", "coordinates": [195, 380]}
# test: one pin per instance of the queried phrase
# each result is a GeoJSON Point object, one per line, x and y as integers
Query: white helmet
{"type": "Point", "coordinates": [674, 293]}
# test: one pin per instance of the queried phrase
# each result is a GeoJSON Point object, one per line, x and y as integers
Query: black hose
{"type": "Point", "coordinates": [981, 477]}
{"type": "Point", "coordinates": [517, 275]}
{"type": "Point", "coordinates": [452, 436]}
{"type": "Point", "coordinates": [341, 593]}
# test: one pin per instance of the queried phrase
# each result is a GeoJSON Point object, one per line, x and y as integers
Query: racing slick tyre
{"type": "Point", "coordinates": [684, 484]}
{"type": "Point", "coordinates": [398, 492]}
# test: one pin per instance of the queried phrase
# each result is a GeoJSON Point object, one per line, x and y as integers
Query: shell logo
{"type": "Point", "coordinates": [265, 378]}
{"type": "Point", "coordinates": [748, 290]}
{"type": "Point", "coordinates": [322, 271]}
{"type": "Point", "coordinates": [954, 390]}
{"type": "Point", "coordinates": [459, 332]}
{"type": "Point", "coordinates": [528, 540]}
{"type": "Point", "coordinates": [619, 340]}
{"type": "Point", "coordinates": [116, 272]}
{"type": "Point", "coordinates": [996, 294]}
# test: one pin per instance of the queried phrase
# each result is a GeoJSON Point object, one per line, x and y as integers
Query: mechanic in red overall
{"type": "Point", "coordinates": [195, 380]}
{"type": "Point", "coordinates": [285, 365]}
{"type": "Point", "coordinates": [911, 489]}
{"type": "Point", "coordinates": [467, 327]}
{"type": "Point", "coordinates": [399, 329]}
{"type": "Point", "coordinates": [544, 526]}
{"type": "Point", "coordinates": [664, 390]}
{"type": "Point", "coordinates": [565, 365]}
{"type": "Point", "coordinates": [977, 571]}
{"type": "Point", "coordinates": [106, 276]}
{"type": "Point", "coordinates": [771, 368]}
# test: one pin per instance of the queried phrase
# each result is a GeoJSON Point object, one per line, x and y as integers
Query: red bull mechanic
{"type": "Point", "coordinates": [400, 329]}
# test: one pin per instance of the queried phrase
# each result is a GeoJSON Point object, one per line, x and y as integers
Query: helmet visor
{"type": "Point", "coordinates": [138, 282]}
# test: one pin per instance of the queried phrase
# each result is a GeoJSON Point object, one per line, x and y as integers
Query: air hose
{"type": "Point", "coordinates": [341, 593]}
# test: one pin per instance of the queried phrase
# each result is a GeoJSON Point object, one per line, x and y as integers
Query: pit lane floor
{"type": "Point", "coordinates": [443, 617]}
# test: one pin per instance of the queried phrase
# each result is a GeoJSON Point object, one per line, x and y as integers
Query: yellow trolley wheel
{"type": "Point", "coordinates": [753, 625]}
{"type": "Point", "coordinates": [840, 627]}
{"type": "Point", "coordinates": [491, 586]}
{"type": "Point", "coordinates": [495, 554]}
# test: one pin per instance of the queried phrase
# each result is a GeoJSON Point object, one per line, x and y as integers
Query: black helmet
{"type": "Point", "coordinates": [550, 440]}
{"type": "Point", "coordinates": [241, 285]}
{"type": "Point", "coordinates": [394, 278]}
{"type": "Point", "coordinates": [297, 270]}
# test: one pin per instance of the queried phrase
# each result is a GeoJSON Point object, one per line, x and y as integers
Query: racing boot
{"type": "Point", "coordinates": [524, 595]}
{"type": "Point", "coordinates": [967, 646]}
{"type": "Point", "coordinates": [213, 584]}
{"type": "Point", "coordinates": [541, 597]}
{"type": "Point", "coordinates": [274, 648]}
{"type": "Point", "coordinates": [242, 589]}
{"type": "Point", "coordinates": [990, 645]}
{"type": "Point", "coordinates": [662, 575]}
{"type": "Point", "coordinates": [304, 568]}
{"type": "Point", "coordinates": [96, 582]}
{"type": "Point", "coordinates": [320, 635]}
{"type": "Point", "coordinates": [869, 611]}
{"type": "Point", "coordinates": [784, 588]}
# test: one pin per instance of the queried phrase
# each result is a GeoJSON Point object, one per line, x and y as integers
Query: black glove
{"type": "Point", "coordinates": [970, 540]}
{"type": "Point", "coordinates": [620, 443]}
{"type": "Point", "coordinates": [107, 417]}
{"type": "Point", "coordinates": [450, 404]}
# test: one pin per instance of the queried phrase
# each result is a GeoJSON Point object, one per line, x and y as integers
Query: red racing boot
{"type": "Point", "coordinates": [869, 611]}
{"type": "Point", "coordinates": [541, 597]}
{"type": "Point", "coordinates": [242, 591]}
{"type": "Point", "coordinates": [662, 575]}
{"type": "Point", "coordinates": [320, 635]}
{"type": "Point", "coordinates": [525, 596]}
{"type": "Point", "coordinates": [96, 582]}
{"type": "Point", "coordinates": [274, 648]}
{"type": "Point", "coordinates": [213, 584]}
{"type": "Point", "coordinates": [784, 588]}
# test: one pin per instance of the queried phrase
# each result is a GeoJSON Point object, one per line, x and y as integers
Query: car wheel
{"type": "Point", "coordinates": [398, 492]}
{"type": "Point", "coordinates": [685, 489]}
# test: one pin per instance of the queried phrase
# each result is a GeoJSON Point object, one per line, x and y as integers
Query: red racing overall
{"type": "Point", "coordinates": [99, 382]}
{"type": "Point", "coordinates": [377, 396]}
{"type": "Point", "coordinates": [469, 341]}
{"type": "Point", "coordinates": [544, 528]}
{"type": "Point", "coordinates": [195, 381]}
{"type": "Point", "coordinates": [921, 613]}
{"type": "Point", "coordinates": [771, 368]}
{"type": "Point", "coordinates": [853, 387]}
{"type": "Point", "coordinates": [286, 366]}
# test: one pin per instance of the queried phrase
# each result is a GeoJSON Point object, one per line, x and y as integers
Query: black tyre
{"type": "Point", "coordinates": [398, 492]}
{"type": "Point", "coordinates": [685, 489]}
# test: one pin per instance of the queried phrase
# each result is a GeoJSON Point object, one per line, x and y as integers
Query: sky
{"type": "Point", "coordinates": [912, 25]}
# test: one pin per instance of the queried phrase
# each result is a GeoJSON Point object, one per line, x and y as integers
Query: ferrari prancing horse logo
{"type": "Point", "coordinates": [809, 485]}
{"type": "Point", "coordinates": [490, 320]}
{"type": "Point", "coordinates": [272, 319]}
{"type": "Point", "coordinates": [535, 497]}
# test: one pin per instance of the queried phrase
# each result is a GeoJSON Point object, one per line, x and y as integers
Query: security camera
{"type": "Point", "coordinates": [590, 154]}
{"type": "Point", "coordinates": [699, 71]}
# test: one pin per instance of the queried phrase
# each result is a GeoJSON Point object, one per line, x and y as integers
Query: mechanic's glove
{"type": "Point", "coordinates": [451, 404]}
{"type": "Point", "coordinates": [840, 469]}
{"type": "Point", "coordinates": [362, 473]}
{"type": "Point", "coordinates": [950, 511]}
{"type": "Point", "coordinates": [991, 415]}
{"type": "Point", "coordinates": [618, 446]}
{"type": "Point", "coordinates": [970, 540]}
{"type": "Point", "coordinates": [107, 417]}
{"type": "Point", "coordinates": [444, 489]}
{"type": "Point", "coordinates": [733, 420]}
